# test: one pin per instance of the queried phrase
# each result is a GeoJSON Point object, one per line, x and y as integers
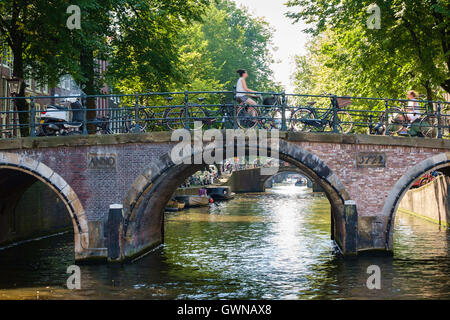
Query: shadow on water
{"type": "Point", "coordinates": [259, 246]}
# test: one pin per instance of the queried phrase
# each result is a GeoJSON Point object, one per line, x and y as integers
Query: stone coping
{"type": "Point", "coordinates": [165, 137]}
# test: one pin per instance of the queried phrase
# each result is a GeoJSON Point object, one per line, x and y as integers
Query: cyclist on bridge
{"type": "Point", "coordinates": [241, 88]}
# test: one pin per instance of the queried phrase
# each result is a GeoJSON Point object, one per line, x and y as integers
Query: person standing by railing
{"type": "Point", "coordinates": [413, 113]}
{"type": "Point", "coordinates": [413, 106]}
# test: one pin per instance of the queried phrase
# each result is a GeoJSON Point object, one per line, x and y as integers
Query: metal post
{"type": "Point", "coordinates": [350, 245]}
{"type": "Point", "coordinates": [136, 114]}
{"type": "Point", "coordinates": [335, 114]}
{"type": "Point", "coordinates": [186, 110]}
{"type": "Point", "coordinates": [386, 116]}
{"type": "Point", "coordinates": [439, 116]}
{"type": "Point", "coordinates": [115, 217]}
{"type": "Point", "coordinates": [283, 112]}
{"type": "Point", "coordinates": [234, 108]}
{"type": "Point", "coordinates": [83, 104]}
{"type": "Point", "coordinates": [33, 118]}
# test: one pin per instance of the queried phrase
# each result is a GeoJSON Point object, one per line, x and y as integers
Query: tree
{"type": "Point", "coordinates": [89, 45]}
{"type": "Point", "coordinates": [226, 39]}
{"type": "Point", "coordinates": [39, 42]}
{"type": "Point", "coordinates": [238, 40]}
{"type": "Point", "coordinates": [413, 41]}
{"type": "Point", "coordinates": [145, 54]}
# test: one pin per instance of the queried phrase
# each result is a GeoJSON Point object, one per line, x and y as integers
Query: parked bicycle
{"type": "Point", "coordinates": [180, 116]}
{"type": "Point", "coordinates": [394, 122]}
{"type": "Point", "coordinates": [307, 118]}
{"type": "Point", "coordinates": [142, 123]}
{"type": "Point", "coordinates": [102, 125]}
{"type": "Point", "coordinates": [266, 115]}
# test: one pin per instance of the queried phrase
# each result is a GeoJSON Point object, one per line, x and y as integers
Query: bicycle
{"type": "Point", "coordinates": [394, 122]}
{"type": "Point", "coordinates": [267, 115]}
{"type": "Point", "coordinates": [222, 118]}
{"type": "Point", "coordinates": [175, 117]}
{"type": "Point", "coordinates": [305, 119]}
{"type": "Point", "coordinates": [130, 125]}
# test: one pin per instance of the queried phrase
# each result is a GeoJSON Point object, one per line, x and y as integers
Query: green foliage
{"type": "Point", "coordinates": [411, 50]}
{"type": "Point", "coordinates": [145, 46]}
{"type": "Point", "coordinates": [37, 37]}
{"type": "Point", "coordinates": [227, 39]}
{"type": "Point", "coordinates": [155, 45]}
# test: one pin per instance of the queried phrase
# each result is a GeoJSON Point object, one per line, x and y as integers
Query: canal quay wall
{"type": "Point", "coordinates": [190, 191]}
{"type": "Point", "coordinates": [38, 212]}
{"type": "Point", "coordinates": [430, 202]}
{"type": "Point", "coordinates": [247, 181]}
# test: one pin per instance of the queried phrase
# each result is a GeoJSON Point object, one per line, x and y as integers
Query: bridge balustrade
{"type": "Point", "coordinates": [166, 111]}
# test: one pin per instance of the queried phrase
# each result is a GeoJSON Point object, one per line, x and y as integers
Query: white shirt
{"type": "Point", "coordinates": [240, 88]}
{"type": "Point", "coordinates": [413, 105]}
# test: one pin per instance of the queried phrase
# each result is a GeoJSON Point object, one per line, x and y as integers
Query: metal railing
{"type": "Point", "coordinates": [162, 111]}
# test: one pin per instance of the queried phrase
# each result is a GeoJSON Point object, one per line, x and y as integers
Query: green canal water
{"type": "Point", "coordinates": [258, 246]}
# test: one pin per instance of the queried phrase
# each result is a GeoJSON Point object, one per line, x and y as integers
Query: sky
{"type": "Point", "coordinates": [288, 37]}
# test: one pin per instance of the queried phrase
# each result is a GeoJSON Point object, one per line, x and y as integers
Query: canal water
{"type": "Point", "coordinates": [258, 246]}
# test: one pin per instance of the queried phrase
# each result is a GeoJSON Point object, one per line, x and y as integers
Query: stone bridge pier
{"type": "Point", "coordinates": [363, 177]}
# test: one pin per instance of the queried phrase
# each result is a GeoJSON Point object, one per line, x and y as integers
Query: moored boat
{"type": "Point", "coordinates": [220, 193]}
{"type": "Point", "coordinates": [191, 201]}
{"type": "Point", "coordinates": [173, 205]}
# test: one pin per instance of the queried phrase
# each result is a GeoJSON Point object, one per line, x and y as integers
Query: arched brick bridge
{"type": "Point", "coordinates": [89, 173]}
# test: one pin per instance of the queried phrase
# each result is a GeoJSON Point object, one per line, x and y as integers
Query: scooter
{"type": "Point", "coordinates": [61, 120]}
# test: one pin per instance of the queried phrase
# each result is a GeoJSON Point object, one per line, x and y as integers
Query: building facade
{"type": "Point", "coordinates": [42, 94]}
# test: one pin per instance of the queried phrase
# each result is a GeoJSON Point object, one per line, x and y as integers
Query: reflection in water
{"type": "Point", "coordinates": [259, 246]}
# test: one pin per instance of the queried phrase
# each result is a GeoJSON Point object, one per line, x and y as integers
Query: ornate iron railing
{"type": "Point", "coordinates": [162, 111]}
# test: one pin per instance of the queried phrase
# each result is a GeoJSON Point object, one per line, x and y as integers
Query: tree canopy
{"type": "Point", "coordinates": [410, 50]}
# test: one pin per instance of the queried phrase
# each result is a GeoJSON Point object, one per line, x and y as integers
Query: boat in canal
{"type": "Point", "coordinates": [173, 206]}
{"type": "Point", "coordinates": [220, 193]}
{"type": "Point", "coordinates": [300, 183]}
{"type": "Point", "coordinates": [192, 201]}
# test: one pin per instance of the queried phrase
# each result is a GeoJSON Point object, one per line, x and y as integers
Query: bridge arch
{"type": "Point", "coordinates": [143, 224]}
{"type": "Point", "coordinates": [438, 162]}
{"type": "Point", "coordinates": [30, 169]}
{"type": "Point", "coordinates": [286, 170]}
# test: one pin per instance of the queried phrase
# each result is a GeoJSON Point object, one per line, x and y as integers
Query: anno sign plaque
{"type": "Point", "coordinates": [371, 160]}
{"type": "Point", "coordinates": [101, 160]}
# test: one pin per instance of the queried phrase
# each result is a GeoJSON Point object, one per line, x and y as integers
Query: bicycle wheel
{"type": "Point", "coordinates": [394, 122]}
{"type": "Point", "coordinates": [344, 122]}
{"type": "Point", "coordinates": [130, 123]}
{"type": "Point", "coordinates": [174, 118]}
{"type": "Point", "coordinates": [277, 120]}
{"type": "Point", "coordinates": [197, 114]}
{"type": "Point", "coordinates": [428, 127]}
{"type": "Point", "coordinates": [297, 124]}
{"type": "Point", "coordinates": [247, 117]}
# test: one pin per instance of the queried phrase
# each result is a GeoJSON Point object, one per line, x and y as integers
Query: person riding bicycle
{"type": "Point", "coordinates": [241, 89]}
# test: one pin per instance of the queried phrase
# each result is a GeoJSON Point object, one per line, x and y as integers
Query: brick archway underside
{"type": "Point", "coordinates": [38, 170]}
{"type": "Point", "coordinates": [143, 226]}
{"type": "Point", "coordinates": [436, 163]}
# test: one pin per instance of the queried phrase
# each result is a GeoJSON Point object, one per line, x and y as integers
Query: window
{"type": "Point", "coordinates": [3, 104]}
{"type": "Point", "coordinates": [42, 88]}
{"type": "Point", "coordinates": [7, 58]}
